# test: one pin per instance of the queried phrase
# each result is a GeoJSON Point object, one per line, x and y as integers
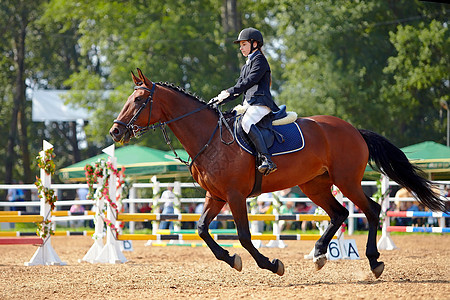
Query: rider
{"type": "Point", "coordinates": [254, 81]}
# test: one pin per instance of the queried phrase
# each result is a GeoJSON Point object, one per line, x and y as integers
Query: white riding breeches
{"type": "Point", "coordinates": [253, 114]}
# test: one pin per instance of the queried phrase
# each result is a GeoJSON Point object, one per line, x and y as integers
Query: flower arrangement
{"type": "Point", "coordinates": [101, 169]}
{"type": "Point", "coordinates": [48, 194]}
{"type": "Point", "coordinates": [45, 162]}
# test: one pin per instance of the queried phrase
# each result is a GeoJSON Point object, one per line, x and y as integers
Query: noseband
{"type": "Point", "coordinates": [137, 130]}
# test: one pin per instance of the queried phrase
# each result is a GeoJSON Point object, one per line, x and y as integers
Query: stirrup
{"type": "Point", "coordinates": [267, 167]}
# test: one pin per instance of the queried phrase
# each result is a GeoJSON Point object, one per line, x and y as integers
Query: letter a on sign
{"type": "Point", "coordinates": [351, 250]}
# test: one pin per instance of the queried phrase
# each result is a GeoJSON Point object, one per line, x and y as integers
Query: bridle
{"type": "Point", "coordinates": [137, 130]}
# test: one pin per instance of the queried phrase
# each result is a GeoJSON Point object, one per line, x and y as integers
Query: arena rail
{"type": "Point", "coordinates": [134, 199]}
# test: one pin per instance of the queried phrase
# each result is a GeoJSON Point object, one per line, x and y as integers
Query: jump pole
{"type": "Point", "coordinates": [98, 235]}
{"type": "Point", "coordinates": [155, 224]}
{"type": "Point", "coordinates": [276, 229]}
{"type": "Point", "coordinates": [385, 242]}
{"type": "Point", "coordinates": [156, 189]}
{"type": "Point", "coordinates": [45, 254]}
{"type": "Point", "coordinates": [111, 251]}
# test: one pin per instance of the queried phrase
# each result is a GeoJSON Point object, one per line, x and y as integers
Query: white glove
{"type": "Point", "coordinates": [222, 96]}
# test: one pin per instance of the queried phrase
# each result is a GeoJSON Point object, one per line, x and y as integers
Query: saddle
{"type": "Point", "coordinates": [279, 129]}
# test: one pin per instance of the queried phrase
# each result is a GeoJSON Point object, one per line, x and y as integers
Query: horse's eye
{"type": "Point", "coordinates": [137, 99]}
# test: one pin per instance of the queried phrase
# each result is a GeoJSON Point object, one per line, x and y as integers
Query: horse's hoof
{"type": "Point", "coordinates": [280, 266]}
{"type": "Point", "coordinates": [320, 261]}
{"type": "Point", "coordinates": [237, 264]}
{"type": "Point", "coordinates": [377, 271]}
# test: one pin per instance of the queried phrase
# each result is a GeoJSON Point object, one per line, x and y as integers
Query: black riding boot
{"type": "Point", "coordinates": [267, 166]}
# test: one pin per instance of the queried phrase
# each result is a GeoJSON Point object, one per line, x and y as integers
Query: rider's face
{"type": "Point", "coordinates": [245, 48]}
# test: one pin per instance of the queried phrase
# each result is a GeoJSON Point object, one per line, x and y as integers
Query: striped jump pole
{"type": "Point", "coordinates": [21, 218]}
{"type": "Point", "coordinates": [418, 229]}
{"type": "Point", "coordinates": [143, 217]}
{"type": "Point", "coordinates": [193, 231]}
{"type": "Point", "coordinates": [21, 241]}
{"type": "Point", "coordinates": [193, 245]}
{"type": "Point", "coordinates": [218, 237]}
{"type": "Point", "coordinates": [57, 233]}
{"type": "Point", "coordinates": [419, 214]}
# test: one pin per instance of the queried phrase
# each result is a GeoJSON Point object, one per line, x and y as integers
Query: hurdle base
{"type": "Point", "coordinates": [111, 254]}
{"type": "Point", "coordinates": [93, 252]}
{"type": "Point", "coordinates": [45, 255]}
{"type": "Point", "coordinates": [386, 243]}
{"type": "Point", "coordinates": [310, 255]}
{"type": "Point", "coordinates": [276, 244]}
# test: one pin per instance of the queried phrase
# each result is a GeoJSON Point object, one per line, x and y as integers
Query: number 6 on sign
{"type": "Point", "coordinates": [342, 249]}
{"type": "Point", "coordinates": [334, 251]}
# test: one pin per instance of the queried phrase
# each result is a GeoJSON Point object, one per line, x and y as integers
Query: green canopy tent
{"type": "Point", "coordinates": [139, 162]}
{"type": "Point", "coordinates": [432, 158]}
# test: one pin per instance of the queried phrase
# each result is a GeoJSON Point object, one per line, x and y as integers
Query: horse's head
{"type": "Point", "coordinates": [138, 113]}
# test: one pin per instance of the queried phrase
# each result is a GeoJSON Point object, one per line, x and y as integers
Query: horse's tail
{"type": "Point", "coordinates": [393, 163]}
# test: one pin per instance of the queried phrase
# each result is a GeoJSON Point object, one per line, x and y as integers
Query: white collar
{"type": "Point", "coordinates": [250, 56]}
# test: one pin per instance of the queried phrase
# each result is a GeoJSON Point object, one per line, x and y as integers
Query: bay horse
{"type": "Point", "coordinates": [335, 152]}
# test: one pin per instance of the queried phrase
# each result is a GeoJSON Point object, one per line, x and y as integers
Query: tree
{"type": "Point", "coordinates": [420, 79]}
{"type": "Point", "coordinates": [170, 41]}
{"type": "Point", "coordinates": [16, 16]}
{"type": "Point", "coordinates": [333, 55]}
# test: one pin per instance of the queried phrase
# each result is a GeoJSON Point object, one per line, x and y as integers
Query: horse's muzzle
{"type": "Point", "coordinates": [119, 134]}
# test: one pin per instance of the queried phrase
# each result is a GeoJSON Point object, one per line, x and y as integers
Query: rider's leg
{"type": "Point", "coordinates": [267, 166]}
{"type": "Point", "coordinates": [252, 116]}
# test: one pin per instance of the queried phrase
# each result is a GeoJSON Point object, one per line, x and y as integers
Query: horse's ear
{"type": "Point", "coordinates": [143, 78]}
{"type": "Point", "coordinates": [136, 80]}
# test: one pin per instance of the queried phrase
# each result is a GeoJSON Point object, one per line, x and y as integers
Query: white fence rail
{"type": "Point", "coordinates": [133, 201]}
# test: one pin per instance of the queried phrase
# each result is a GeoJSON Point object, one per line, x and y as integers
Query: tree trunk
{"type": "Point", "coordinates": [74, 142]}
{"type": "Point", "coordinates": [18, 119]}
{"type": "Point", "coordinates": [230, 17]}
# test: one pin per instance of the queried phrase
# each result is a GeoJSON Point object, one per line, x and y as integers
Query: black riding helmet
{"type": "Point", "coordinates": [250, 34]}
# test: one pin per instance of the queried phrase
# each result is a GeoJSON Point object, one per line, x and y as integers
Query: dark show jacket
{"type": "Point", "coordinates": [254, 82]}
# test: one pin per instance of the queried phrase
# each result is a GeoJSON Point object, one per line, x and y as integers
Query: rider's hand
{"type": "Point", "coordinates": [213, 100]}
{"type": "Point", "coordinates": [222, 96]}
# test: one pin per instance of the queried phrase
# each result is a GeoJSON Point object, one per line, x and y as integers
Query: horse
{"type": "Point", "coordinates": [335, 153]}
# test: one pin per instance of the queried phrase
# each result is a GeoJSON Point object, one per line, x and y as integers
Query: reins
{"type": "Point", "coordinates": [138, 131]}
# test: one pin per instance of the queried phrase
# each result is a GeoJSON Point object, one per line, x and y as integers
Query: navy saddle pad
{"type": "Point", "coordinates": [293, 140]}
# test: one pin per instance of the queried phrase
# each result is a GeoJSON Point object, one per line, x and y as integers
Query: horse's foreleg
{"type": "Point", "coordinates": [239, 211]}
{"type": "Point", "coordinates": [210, 210]}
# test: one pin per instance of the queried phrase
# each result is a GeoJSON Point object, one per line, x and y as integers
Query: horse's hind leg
{"type": "Point", "coordinates": [319, 191]}
{"type": "Point", "coordinates": [211, 209]}
{"type": "Point", "coordinates": [372, 211]}
{"type": "Point", "coordinates": [238, 208]}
